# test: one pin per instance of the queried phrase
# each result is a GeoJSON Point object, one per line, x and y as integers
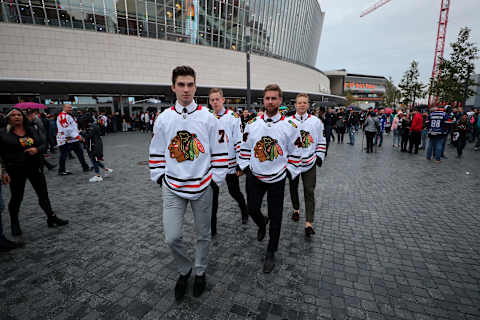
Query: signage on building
{"type": "Point", "coordinates": [357, 85]}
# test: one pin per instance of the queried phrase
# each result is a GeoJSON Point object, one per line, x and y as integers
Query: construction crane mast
{"type": "Point", "coordinates": [439, 47]}
{"type": "Point", "coordinates": [374, 7]}
{"type": "Point", "coordinates": [440, 43]}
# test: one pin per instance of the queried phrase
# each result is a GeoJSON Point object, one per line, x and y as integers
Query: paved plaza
{"type": "Point", "coordinates": [397, 237]}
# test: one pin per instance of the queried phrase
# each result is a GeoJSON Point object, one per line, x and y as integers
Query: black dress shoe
{"type": "Point", "coordinates": [199, 285]}
{"type": "Point", "coordinates": [262, 230]}
{"type": "Point", "coordinates": [54, 221]}
{"type": "Point", "coordinates": [181, 286]}
{"type": "Point", "coordinates": [15, 226]}
{"type": "Point", "coordinates": [269, 263]}
{"type": "Point", "coordinates": [309, 231]}
{"type": "Point", "coordinates": [64, 173]}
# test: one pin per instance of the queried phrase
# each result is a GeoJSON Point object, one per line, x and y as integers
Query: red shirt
{"type": "Point", "coordinates": [417, 123]}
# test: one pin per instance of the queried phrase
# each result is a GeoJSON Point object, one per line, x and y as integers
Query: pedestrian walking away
{"type": "Point", "coordinates": [69, 139]}
{"type": "Point", "coordinates": [370, 128]}
{"type": "Point", "coordinates": [186, 153]}
{"type": "Point", "coordinates": [94, 145]}
{"type": "Point", "coordinates": [312, 155]}
{"type": "Point", "coordinates": [230, 129]}
{"type": "Point", "coordinates": [270, 151]}
{"type": "Point", "coordinates": [21, 149]}
{"type": "Point", "coordinates": [437, 133]}
{"type": "Point", "coordinates": [415, 132]}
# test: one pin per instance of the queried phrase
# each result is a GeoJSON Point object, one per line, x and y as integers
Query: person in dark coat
{"type": "Point", "coordinates": [94, 146]}
{"type": "Point", "coordinates": [21, 150]}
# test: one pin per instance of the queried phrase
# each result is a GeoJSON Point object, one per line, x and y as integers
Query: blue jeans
{"type": "Point", "coordinates": [444, 142]}
{"type": "Point", "coordinates": [424, 138]}
{"type": "Point", "coordinates": [396, 137]}
{"type": "Point", "coordinates": [351, 135]}
{"type": "Point", "coordinates": [379, 135]}
{"type": "Point", "coordinates": [2, 206]}
{"type": "Point", "coordinates": [435, 146]}
{"type": "Point", "coordinates": [96, 164]}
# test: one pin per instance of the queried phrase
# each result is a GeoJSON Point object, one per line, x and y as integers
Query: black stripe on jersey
{"type": "Point", "coordinates": [157, 155]}
{"type": "Point", "coordinates": [246, 150]}
{"type": "Point", "coordinates": [292, 156]}
{"type": "Point", "coordinates": [220, 167]}
{"type": "Point", "coordinates": [272, 177]}
{"type": "Point", "coordinates": [193, 179]}
{"type": "Point", "coordinates": [235, 144]}
{"type": "Point", "coordinates": [308, 157]}
{"type": "Point", "coordinates": [219, 154]}
{"type": "Point", "coordinates": [244, 158]}
{"type": "Point", "coordinates": [160, 167]}
{"type": "Point", "coordinates": [187, 192]}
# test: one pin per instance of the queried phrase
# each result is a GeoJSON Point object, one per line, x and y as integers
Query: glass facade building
{"type": "Point", "coordinates": [285, 29]}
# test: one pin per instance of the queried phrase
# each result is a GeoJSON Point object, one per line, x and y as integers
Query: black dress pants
{"type": "Point", "coordinates": [370, 135]}
{"type": "Point", "coordinates": [233, 184]}
{"type": "Point", "coordinates": [415, 139]}
{"type": "Point", "coordinates": [256, 189]}
{"type": "Point", "coordinates": [19, 178]}
{"type": "Point", "coordinates": [65, 149]}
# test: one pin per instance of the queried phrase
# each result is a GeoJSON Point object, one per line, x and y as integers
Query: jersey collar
{"type": "Point", "coordinates": [190, 108]}
{"type": "Point", "coordinates": [274, 119]}
{"type": "Point", "coordinates": [298, 117]}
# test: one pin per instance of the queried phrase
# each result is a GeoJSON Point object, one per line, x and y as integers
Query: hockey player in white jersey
{"type": "Point", "coordinates": [230, 126]}
{"type": "Point", "coordinates": [269, 152]}
{"type": "Point", "coordinates": [313, 151]}
{"type": "Point", "coordinates": [186, 154]}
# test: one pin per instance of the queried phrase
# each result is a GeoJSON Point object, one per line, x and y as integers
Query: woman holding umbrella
{"type": "Point", "coordinates": [20, 150]}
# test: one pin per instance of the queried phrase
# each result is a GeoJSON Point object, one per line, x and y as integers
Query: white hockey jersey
{"type": "Point", "coordinates": [187, 148]}
{"type": "Point", "coordinates": [270, 147]}
{"type": "Point", "coordinates": [232, 132]}
{"type": "Point", "coordinates": [313, 141]}
{"type": "Point", "coordinates": [67, 129]}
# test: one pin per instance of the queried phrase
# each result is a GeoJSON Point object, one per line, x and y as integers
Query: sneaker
{"type": "Point", "coordinates": [476, 148]}
{"type": "Point", "coordinates": [107, 172]}
{"type": "Point", "coordinates": [96, 179]}
{"type": "Point", "coordinates": [64, 173]}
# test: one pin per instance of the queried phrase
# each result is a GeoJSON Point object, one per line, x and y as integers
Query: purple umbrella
{"type": "Point", "coordinates": [30, 105]}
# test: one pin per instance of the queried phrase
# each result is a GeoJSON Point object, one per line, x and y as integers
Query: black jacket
{"type": "Point", "coordinates": [93, 141]}
{"type": "Point", "coordinates": [12, 149]}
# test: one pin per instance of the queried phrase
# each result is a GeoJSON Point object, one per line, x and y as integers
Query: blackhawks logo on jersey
{"type": "Point", "coordinates": [185, 146]}
{"type": "Point", "coordinates": [267, 148]}
{"type": "Point", "coordinates": [307, 138]}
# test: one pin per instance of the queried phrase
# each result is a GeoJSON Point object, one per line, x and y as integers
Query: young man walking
{"type": "Point", "coordinates": [68, 139]}
{"type": "Point", "coordinates": [186, 154]}
{"type": "Point", "coordinates": [229, 124]}
{"type": "Point", "coordinates": [269, 152]}
{"type": "Point", "coordinates": [313, 151]}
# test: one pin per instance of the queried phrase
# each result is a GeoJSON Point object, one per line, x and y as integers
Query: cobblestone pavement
{"type": "Point", "coordinates": [397, 237]}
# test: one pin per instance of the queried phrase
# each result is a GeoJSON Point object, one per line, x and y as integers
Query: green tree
{"type": "Point", "coordinates": [392, 94]}
{"type": "Point", "coordinates": [454, 77]}
{"type": "Point", "coordinates": [410, 87]}
{"type": "Point", "coordinates": [349, 97]}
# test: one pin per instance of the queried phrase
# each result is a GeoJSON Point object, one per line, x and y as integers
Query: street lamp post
{"type": "Point", "coordinates": [248, 40]}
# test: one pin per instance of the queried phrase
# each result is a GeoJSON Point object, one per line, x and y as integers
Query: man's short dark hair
{"type": "Point", "coordinates": [182, 71]}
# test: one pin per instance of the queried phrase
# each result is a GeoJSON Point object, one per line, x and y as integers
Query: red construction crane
{"type": "Point", "coordinates": [440, 43]}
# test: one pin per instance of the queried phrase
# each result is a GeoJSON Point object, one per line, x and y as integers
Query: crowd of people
{"type": "Point", "coordinates": [195, 149]}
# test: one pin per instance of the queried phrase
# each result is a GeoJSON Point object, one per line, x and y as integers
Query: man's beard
{"type": "Point", "coordinates": [273, 112]}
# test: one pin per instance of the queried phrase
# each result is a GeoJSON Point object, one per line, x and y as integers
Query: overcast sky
{"type": "Point", "coordinates": [388, 39]}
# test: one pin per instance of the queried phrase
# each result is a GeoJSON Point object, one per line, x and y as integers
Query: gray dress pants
{"type": "Point", "coordinates": [173, 217]}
